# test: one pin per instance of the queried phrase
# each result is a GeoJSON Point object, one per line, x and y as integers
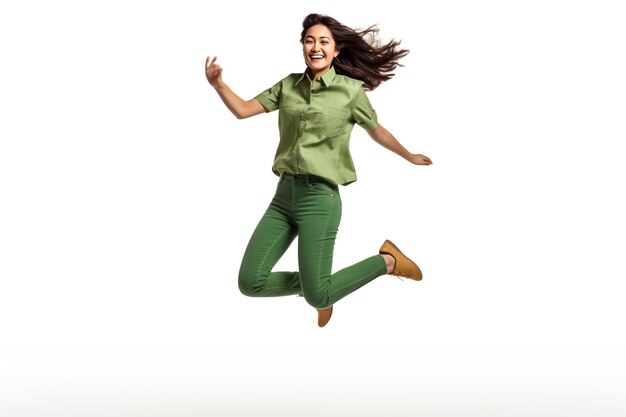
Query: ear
{"type": "Point", "coordinates": [336, 53]}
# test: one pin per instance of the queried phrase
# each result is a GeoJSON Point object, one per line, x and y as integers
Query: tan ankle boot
{"type": "Point", "coordinates": [405, 267]}
{"type": "Point", "coordinates": [323, 316]}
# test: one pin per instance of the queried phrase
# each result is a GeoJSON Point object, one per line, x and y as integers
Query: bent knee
{"type": "Point", "coordinates": [318, 301]}
{"type": "Point", "coordinates": [249, 285]}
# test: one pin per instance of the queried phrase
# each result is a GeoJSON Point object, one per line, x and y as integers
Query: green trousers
{"type": "Point", "coordinates": [310, 208]}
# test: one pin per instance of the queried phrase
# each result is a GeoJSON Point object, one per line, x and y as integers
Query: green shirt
{"type": "Point", "coordinates": [315, 120]}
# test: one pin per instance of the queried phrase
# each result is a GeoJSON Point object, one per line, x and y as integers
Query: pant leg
{"type": "Point", "coordinates": [269, 241]}
{"type": "Point", "coordinates": [318, 213]}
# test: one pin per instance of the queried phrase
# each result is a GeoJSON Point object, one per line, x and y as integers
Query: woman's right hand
{"type": "Point", "coordinates": [213, 72]}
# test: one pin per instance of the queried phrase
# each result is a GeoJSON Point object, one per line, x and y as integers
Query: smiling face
{"type": "Point", "coordinates": [319, 49]}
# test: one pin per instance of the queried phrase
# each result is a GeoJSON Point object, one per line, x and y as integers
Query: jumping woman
{"type": "Point", "coordinates": [317, 110]}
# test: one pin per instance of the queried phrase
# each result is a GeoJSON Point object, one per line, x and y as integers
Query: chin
{"type": "Point", "coordinates": [317, 67]}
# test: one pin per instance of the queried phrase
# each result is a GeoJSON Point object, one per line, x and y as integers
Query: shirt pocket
{"type": "Point", "coordinates": [332, 121]}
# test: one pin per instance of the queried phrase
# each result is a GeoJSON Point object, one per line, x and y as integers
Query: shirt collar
{"type": "Point", "coordinates": [327, 78]}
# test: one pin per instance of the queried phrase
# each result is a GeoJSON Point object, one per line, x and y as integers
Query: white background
{"type": "Point", "coordinates": [128, 193]}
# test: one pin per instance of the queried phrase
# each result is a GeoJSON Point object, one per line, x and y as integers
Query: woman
{"type": "Point", "coordinates": [317, 111]}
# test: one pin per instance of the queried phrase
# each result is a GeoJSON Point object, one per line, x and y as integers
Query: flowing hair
{"type": "Point", "coordinates": [361, 54]}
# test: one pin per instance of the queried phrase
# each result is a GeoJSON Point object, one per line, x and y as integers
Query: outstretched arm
{"type": "Point", "coordinates": [239, 107]}
{"type": "Point", "coordinates": [386, 139]}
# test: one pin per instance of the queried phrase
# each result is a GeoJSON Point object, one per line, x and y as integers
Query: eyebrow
{"type": "Point", "coordinates": [321, 37]}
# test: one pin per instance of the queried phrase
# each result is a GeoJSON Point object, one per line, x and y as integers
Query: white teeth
{"type": "Point", "coordinates": [317, 56]}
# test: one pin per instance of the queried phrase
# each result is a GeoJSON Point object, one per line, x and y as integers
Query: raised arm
{"type": "Point", "coordinates": [241, 108]}
{"type": "Point", "coordinates": [383, 137]}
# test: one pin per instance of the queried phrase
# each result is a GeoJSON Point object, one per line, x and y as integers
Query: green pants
{"type": "Point", "coordinates": [310, 208]}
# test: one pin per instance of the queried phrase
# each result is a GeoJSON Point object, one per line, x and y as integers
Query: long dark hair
{"type": "Point", "coordinates": [361, 55]}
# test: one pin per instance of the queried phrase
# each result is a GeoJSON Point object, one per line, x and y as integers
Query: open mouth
{"type": "Point", "coordinates": [316, 57]}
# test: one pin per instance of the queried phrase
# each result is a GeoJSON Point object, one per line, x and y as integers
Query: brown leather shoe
{"type": "Point", "coordinates": [323, 316]}
{"type": "Point", "coordinates": [405, 267]}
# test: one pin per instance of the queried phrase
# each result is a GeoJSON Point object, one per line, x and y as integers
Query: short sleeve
{"type": "Point", "coordinates": [363, 112]}
{"type": "Point", "coordinates": [270, 97]}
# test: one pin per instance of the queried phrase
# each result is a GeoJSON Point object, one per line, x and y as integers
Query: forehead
{"type": "Point", "coordinates": [319, 31]}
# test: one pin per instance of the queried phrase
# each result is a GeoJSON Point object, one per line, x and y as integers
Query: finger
{"type": "Point", "coordinates": [210, 61]}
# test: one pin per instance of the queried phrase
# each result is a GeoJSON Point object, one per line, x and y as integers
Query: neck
{"type": "Point", "coordinates": [313, 75]}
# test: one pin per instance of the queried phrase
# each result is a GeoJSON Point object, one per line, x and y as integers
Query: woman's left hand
{"type": "Point", "coordinates": [419, 159]}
